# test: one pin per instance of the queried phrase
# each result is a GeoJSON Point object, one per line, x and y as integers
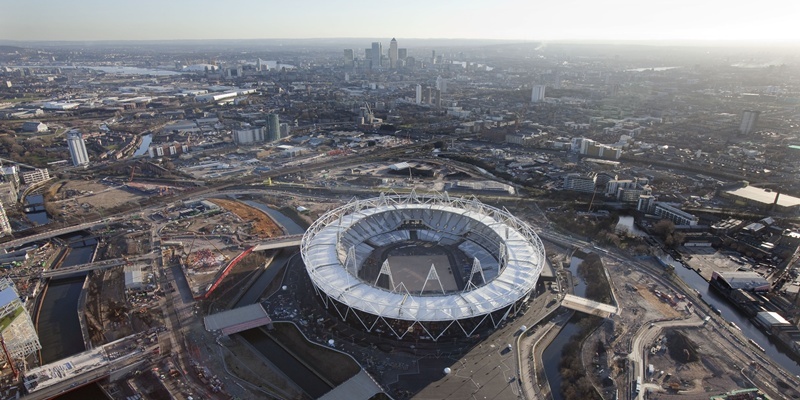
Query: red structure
{"type": "Point", "coordinates": [224, 273]}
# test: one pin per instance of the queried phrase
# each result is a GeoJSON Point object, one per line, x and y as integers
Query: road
{"type": "Point", "coordinates": [645, 337]}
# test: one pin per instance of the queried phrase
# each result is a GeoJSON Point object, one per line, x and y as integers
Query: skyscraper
{"type": "Point", "coordinates": [537, 93]}
{"type": "Point", "coordinates": [418, 98]}
{"type": "Point", "coordinates": [376, 53]}
{"type": "Point", "coordinates": [433, 56]}
{"type": "Point", "coordinates": [393, 54]}
{"type": "Point", "coordinates": [348, 57]}
{"type": "Point", "coordinates": [273, 127]}
{"type": "Point", "coordinates": [402, 54]}
{"type": "Point", "coordinates": [77, 148]}
{"type": "Point", "coordinates": [749, 120]}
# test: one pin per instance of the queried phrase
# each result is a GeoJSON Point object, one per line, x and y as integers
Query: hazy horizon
{"type": "Point", "coordinates": [679, 21]}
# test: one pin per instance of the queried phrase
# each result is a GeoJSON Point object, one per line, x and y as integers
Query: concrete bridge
{"type": "Point", "coordinates": [78, 269]}
{"type": "Point", "coordinates": [589, 306]}
{"type": "Point", "coordinates": [279, 243]}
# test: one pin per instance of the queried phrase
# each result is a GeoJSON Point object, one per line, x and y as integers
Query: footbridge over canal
{"type": "Point", "coordinates": [279, 242]}
{"type": "Point", "coordinates": [589, 306]}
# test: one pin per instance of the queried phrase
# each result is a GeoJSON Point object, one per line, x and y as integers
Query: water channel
{"type": "Point", "coordinates": [731, 314]}
{"type": "Point", "coordinates": [551, 357]}
{"type": "Point", "coordinates": [142, 150]}
{"type": "Point", "coordinates": [34, 209]}
{"type": "Point", "coordinates": [58, 326]}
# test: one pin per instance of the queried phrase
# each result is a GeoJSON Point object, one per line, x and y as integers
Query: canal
{"type": "Point", "coordinates": [731, 314]}
{"type": "Point", "coordinates": [58, 326]}
{"type": "Point", "coordinates": [142, 150]}
{"type": "Point", "coordinates": [34, 209]}
{"type": "Point", "coordinates": [287, 363]}
{"type": "Point", "coordinates": [551, 357]}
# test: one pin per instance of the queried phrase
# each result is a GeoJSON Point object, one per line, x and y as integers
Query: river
{"type": "Point", "coordinates": [58, 326]}
{"type": "Point", "coordinates": [551, 357]}
{"type": "Point", "coordinates": [142, 150]}
{"type": "Point", "coordinates": [291, 227]}
{"type": "Point", "coordinates": [34, 206]}
{"type": "Point", "coordinates": [730, 313]}
{"type": "Point", "coordinates": [279, 260]}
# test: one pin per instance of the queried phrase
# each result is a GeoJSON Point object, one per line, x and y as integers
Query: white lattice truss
{"type": "Point", "coordinates": [330, 248]}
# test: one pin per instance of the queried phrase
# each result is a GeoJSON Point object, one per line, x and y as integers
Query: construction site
{"type": "Point", "coordinates": [206, 238]}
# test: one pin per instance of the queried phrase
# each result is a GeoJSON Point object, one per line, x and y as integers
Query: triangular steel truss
{"type": "Point", "coordinates": [432, 276]}
{"type": "Point", "coordinates": [386, 270]}
{"type": "Point", "coordinates": [476, 269]}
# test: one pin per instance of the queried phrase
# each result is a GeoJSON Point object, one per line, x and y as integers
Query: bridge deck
{"type": "Point", "coordinates": [589, 306]}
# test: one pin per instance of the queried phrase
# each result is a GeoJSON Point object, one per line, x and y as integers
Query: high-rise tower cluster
{"type": "Point", "coordinates": [375, 59]}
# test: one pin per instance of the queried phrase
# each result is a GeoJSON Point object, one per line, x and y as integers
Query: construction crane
{"type": "Point", "coordinates": [226, 258]}
{"type": "Point", "coordinates": [186, 259]}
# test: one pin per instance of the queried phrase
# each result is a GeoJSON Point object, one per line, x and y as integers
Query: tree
{"type": "Point", "coordinates": [664, 228]}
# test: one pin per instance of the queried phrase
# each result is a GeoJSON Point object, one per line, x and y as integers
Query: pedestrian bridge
{"type": "Point", "coordinates": [279, 243]}
{"type": "Point", "coordinates": [589, 306]}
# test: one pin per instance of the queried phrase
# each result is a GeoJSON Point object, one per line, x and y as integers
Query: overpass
{"type": "Point", "coordinates": [50, 380]}
{"type": "Point", "coordinates": [279, 243]}
{"type": "Point", "coordinates": [589, 306]}
{"type": "Point", "coordinates": [57, 232]}
{"type": "Point", "coordinates": [93, 266]}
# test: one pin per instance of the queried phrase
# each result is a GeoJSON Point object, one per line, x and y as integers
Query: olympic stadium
{"type": "Point", "coordinates": [422, 266]}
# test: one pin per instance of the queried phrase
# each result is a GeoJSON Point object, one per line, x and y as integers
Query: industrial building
{"type": "Point", "coordinates": [77, 148]}
{"type": "Point", "coordinates": [763, 198]}
{"type": "Point", "coordinates": [34, 126]}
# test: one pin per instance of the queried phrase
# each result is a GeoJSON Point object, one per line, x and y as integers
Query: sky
{"type": "Point", "coordinates": [705, 20]}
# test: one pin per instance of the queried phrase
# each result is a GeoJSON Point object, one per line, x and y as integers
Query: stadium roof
{"type": "Point", "coordinates": [524, 262]}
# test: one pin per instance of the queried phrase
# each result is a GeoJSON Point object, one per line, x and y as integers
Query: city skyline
{"type": "Point", "coordinates": [659, 20]}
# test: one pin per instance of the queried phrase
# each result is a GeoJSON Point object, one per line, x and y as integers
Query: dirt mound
{"type": "Point", "coordinates": [263, 225]}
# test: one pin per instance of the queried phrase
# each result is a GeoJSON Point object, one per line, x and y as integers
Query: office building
{"type": "Point", "coordinates": [349, 58]}
{"type": "Point", "coordinates": [77, 148]}
{"type": "Point", "coordinates": [5, 226]}
{"type": "Point", "coordinates": [441, 84]}
{"type": "Point", "coordinates": [273, 127]}
{"type": "Point", "coordinates": [646, 204]}
{"type": "Point", "coordinates": [376, 53]}
{"type": "Point", "coordinates": [580, 183]}
{"type": "Point", "coordinates": [402, 54]}
{"type": "Point", "coordinates": [35, 176]}
{"type": "Point", "coordinates": [749, 120]}
{"type": "Point", "coordinates": [418, 97]}
{"type": "Point", "coordinates": [18, 333]}
{"type": "Point", "coordinates": [433, 56]}
{"type": "Point", "coordinates": [393, 54]}
{"type": "Point", "coordinates": [248, 136]}
{"type": "Point", "coordinates": [674, 214]}
{"type": "Point", "coordinates": [537, 93]}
